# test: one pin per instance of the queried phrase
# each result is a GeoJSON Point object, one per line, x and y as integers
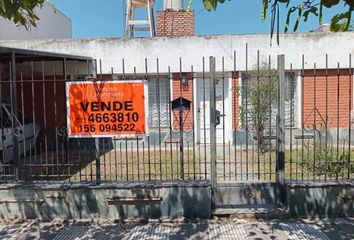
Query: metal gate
{"type": "Point", "coordinates": [249, 172]}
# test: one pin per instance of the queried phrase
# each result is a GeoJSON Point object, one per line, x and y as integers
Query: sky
{"type": "Point", "coordinates": [105, 18]}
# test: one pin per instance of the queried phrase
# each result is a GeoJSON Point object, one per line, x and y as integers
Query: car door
{"type": "Point", "coordinates": [6, 143]}
{"type": "Point", "coordinates": [18, 131]}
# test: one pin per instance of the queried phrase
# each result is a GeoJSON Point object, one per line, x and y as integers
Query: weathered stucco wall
{"type": "Point", "coordinates": [314, 46]}
{"type": "Point", "coordinates": [87, 201]}
{"type": "Point", "coordinates": [329, 199]}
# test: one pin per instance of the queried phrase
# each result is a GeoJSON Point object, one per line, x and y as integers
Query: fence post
{"type": "Point", "coordinates": [212, 129]}
{"type": "Point", "coordinates": [14, 122]}
{"type": "Point", "coordinates": [97, 140]}
{"type": "Point", "coordinates": [98, 164]}
{"type": "Point", "coordinates": [280, 166]}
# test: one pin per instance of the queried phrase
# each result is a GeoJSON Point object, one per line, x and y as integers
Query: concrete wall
{"type": "Point", "coordinates": [321, 199]}
{"type": "Point", "coordinates": [178, 199]}
{"type": "Point", "coordinates": [52, 25]}
{"type": "Point", "coordinates": [80, 201]}
{"type": "Point", "coordinates": [192, 49]}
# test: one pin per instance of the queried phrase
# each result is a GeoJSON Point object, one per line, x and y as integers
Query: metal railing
{"type": "Point", "coordinates": [318, 126]}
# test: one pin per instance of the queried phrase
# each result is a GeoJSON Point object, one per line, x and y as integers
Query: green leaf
{"type": "Point", "coordinates": [291, 10]}
{"type": "Point", "coordinates": [21, 12]}
{"type": "Point", "coordinates": [340, 21]}
{"type": "Point", "coordinates": [350, 2]}
{"type": "Point", "coordinates": [320, 18]}
{"type": "Point", "coordinates": [329, 3]}
{"type": "Point", "coordinates": [298, 18]}
{"type": "Point", "coordinates": [210, 4]}
{"type": "Point", "coordinates": [312, 10]}
{"type": "Point", "coordinates": [187, 9]}
{"type": "Point", "coordinates": [2, 5]}
{"type": "Point", "coordinates": [264, 9]}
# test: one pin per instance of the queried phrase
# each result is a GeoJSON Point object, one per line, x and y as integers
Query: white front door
{"type": "Point", "coordinates": [223, 104]}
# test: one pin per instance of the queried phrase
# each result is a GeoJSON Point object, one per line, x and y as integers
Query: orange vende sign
{"type": "Point", "coordinates": [106, 109]}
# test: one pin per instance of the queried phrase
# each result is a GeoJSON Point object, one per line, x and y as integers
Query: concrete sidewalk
{"type": "Point", "coordinates": [342, 228]}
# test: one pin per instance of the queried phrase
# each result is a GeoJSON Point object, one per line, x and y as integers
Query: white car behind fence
{"type": "Point", "coordinates": [28, 133]}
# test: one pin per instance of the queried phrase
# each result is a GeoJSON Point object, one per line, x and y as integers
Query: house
{"type": "Point", "coordinates": [176, 66]}
{"type": "Point", "coordinates": [176, 63]}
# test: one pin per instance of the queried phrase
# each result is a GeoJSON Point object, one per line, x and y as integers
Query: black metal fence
{"type": "Point", "coordinates": [318, 119]}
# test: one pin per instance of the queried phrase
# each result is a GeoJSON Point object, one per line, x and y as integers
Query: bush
{"type": "Point", "coordinates": [321, 160]}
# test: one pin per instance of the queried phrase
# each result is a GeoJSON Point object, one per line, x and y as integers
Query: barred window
{"type": "Point", "coordinates": [155, 106]}
{"type": "Point", "coordinates": [249, 99]}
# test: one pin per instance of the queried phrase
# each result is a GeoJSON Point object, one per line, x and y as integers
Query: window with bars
{"type": "Point", "coordinates": [249, 96]}
{"type": "Point", "coordinates": [159, 98]}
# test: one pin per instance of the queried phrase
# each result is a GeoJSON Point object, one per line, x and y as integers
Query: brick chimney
{"type": "Point", "coordinates": [174, 23]}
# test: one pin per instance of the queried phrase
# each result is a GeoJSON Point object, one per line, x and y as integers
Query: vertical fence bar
{"type": "Point", "coordinates": [193, 123]}
{"type": "Point", "coordinates": [204, 121]}
{"type": "Point", "coordinates": [350, 115]}
{"type": "Point", "coordinates": [138, 157]}
{"type": "Point", "coordinates": [132, 161]}
{"type": "Point", "coordinates": [242, 114]}
{"type": "Point", "coordinates": [33, 115]}
{"type": "Point", "coordinates": [270, 116]}
{"type": "Point", "coordinates": [223, 118]}
{"type": "Point", "coordinates": [154, 162]}
{"type": "Point", "coordinates": [181, 150]}
{"type": "Point", "coordinates": [65, 144]}
{"type": "Point", "coordinates": [338, 97]}
{"type": "Point", "coordinates": [170, 85]}
{"type": "Point", "coordinates": [159, 114]}
{"type": "Point", "coordinates": [148, 137]}
{"type": "Point", "coordinates": [302, 116]}
{"type": "Point", "coordinates": [260, 135]}
{"type": "Point", "coordinates": [326, 118]}
{"type": "Point", "coordinates": [281, 126]}
{"type": "Point", "coordinates": [120, 140]}
{"type": "Point", "coordinates": [45, 119]}
{"type": "Point", "coordinates": [104, 140]}
{"type": "Point", "coordinates": [101, 69]}
{"type": "Point", "coordinates": [23, 120]}
{"type": "Point", "coordinates": [246, 112]}
{"type": "Point", "coordinates": [234, 88]}
{"type": "Point", "coordinates": [13, 96]}
{"type": "Point", "coordinates": [22, 128]}
{"type": "Point", "coordinates": [291, 120]}
{"type": "Point", "coordinates": [2, 167]}
{"type": "Point", "coordinates": [168, 116]}
{"type": "Point", "coordinates": [2, 163]}
{"type": "Point", "coordinates": [126, 159]}
{"type": "Point", "coordinates": [98, 164]}
{"type": "Point", "coordinates": [56, 123]}
{"type": "Point", "coordinates": [97, 147]}
{"type": "Point", "coordinates": [297, 160]}
{"type": "Point", "coordinates": [212, 128]}
{"type": "Point", "coordinates": [314, 121]}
